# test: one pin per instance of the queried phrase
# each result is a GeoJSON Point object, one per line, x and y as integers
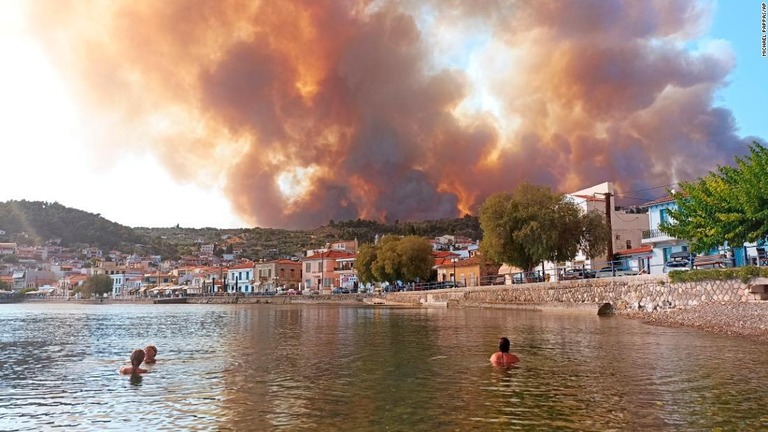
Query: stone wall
{"type": "Point", "coordinates": [646, 293]}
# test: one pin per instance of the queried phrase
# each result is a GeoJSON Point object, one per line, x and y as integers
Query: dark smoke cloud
{"type": "Point", "coordinates": [318, 110]}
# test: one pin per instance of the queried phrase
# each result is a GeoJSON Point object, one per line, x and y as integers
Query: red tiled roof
{"type": "Point", "coordinates": [331, 254]}
{"type": "Point", "coordinates": [446, 261]}
{"type": "Point", "coordinates": [284, 261]}
{"type": "Point", "coordinates": [244, 265]}
{"type": "Point", "coordinates": [635, 251]}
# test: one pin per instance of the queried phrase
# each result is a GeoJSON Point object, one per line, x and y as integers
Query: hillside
{"type": "Point", "coordinates": [36, 222]}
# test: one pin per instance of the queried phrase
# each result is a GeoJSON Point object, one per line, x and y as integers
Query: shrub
{"type": "Point", "coordinates": [745, 274]}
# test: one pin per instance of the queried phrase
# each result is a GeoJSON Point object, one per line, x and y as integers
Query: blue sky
{"type": "Point", "coordinates": [738, 22]}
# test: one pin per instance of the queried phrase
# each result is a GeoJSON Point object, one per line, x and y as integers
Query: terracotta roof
{"type": "Point", "coordinates": [635, 251]}
{"type": "Point", "coordinates": [285, 261]}
{"type": "Point", "coordinates": [331, 254]}
{"type": "Point", "coordinates": [244, 265]}
{"type": "Point", "coordinates": [446, 261]}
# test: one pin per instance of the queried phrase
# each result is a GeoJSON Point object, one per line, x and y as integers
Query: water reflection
{"type": "Point", "coordinates": [267, 367]}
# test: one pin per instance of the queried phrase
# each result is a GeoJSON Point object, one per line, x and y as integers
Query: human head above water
{"type": "Point", "coordinates": [504, 345]}
{"type": "Point", "coordinates": [151, 352]}
{"type": "Point", "coordinates": [137, 357]}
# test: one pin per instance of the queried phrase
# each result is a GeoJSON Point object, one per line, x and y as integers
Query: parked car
{"type": "Point", "coordinates": [616, 271]}
{"type": "Point", "coordinates": [527, 277]}
{"type": "Point", "coordinates": [677, 265]}
{"type": "Point", "coordinates": [572, 274]}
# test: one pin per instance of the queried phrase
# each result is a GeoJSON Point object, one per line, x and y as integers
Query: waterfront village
{"type": "Point", "coordinates": [637, 247]}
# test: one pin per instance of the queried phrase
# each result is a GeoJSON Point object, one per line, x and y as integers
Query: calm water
{"type": "Point", "coordinates": [317, 367]}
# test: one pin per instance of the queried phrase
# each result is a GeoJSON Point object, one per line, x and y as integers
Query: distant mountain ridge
{"type": "Point", "coordinates": [43, 221]}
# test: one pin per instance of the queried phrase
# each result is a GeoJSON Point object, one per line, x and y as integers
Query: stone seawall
{"type": "Point", "coordinates": [635, 293]}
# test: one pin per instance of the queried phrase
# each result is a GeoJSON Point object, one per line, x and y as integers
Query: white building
{"type": "Point", "coordinates": [240, 278]}
{"type": "Point", "coordinates": [626, 230]}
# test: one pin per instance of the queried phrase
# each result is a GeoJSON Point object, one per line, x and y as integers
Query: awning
{"type": "Point", "coordinates": [683, 254]}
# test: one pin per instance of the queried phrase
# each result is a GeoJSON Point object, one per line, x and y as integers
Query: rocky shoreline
{"type": "Point", "coordinates": [749, 319]}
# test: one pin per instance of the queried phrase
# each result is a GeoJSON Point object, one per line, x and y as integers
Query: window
{"type": "Point", "coordinates": [308, 268]}
{"type": "Point", "coordinates": [618, 236]}
{"type": "Point", "coordinates": [667, 251]}
{"type": "Point", "coordinates": [629, 244]}
{"type": "Point", "coordinates": [663, 216]}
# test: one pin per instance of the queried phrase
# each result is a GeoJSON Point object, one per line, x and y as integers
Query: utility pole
{"type": "Point", "coordinates": [608, 212]}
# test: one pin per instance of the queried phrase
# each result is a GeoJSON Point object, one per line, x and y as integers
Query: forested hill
{"type": "Point", "coordinates": [36, 222]}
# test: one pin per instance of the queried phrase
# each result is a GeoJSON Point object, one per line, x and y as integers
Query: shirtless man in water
{"type": "Point", "coordinates": [137, 357]}
{"type": "Point", "coordinates": [504, 357]}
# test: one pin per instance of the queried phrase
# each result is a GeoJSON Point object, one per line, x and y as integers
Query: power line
{"type": "Point", "coordinates": [652, 188]}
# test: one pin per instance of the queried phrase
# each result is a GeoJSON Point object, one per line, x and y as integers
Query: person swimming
{"type": "Point", "coordinates": [503, 357]}
{"type": "Point", "coordinates": [137, 357]}
{"type": "Point", "coordinates": [149, 354]}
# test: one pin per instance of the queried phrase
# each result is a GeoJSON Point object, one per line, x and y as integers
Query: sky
{"type": "Point", "coordinates": [288, 114]}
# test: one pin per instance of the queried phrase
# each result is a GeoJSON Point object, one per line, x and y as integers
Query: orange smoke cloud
{"type": "Point", "coordinates": [318, 110]}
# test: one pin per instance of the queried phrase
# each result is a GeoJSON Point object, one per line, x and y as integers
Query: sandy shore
{"type": "Point", "coordinates": [736, 319]}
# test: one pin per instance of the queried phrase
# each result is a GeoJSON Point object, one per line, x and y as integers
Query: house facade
{"type": "Point", "coordinates": [662, 245]}
{"type": "Point", "coordinates": [474, 271]}
{"type": "Point", "coordinates": [323, 271]}
{"type": "Point", "coordinates": [240, 278]}
{"type": "Point", "coordinates": [282, 272]}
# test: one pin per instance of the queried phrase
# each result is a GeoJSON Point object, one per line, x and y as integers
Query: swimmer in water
{"type": "Point", "coordinates": [137, 357]}
{"type": "Point", "coordinates": [504, 357]}
{"type": "Point", "coordinates": [149, 354]}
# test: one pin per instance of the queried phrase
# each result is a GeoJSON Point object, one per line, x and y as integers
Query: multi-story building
{"type": "Point", "coordinates": [240, 278]}
{"type": "Point", "coordinates": [323, 271]}
{"type": "Point", "coordinates": [627, 227]}
{"type": "Point", "coordinates": [7, 248]}
{"type": "Point", "coordinates": [663, 246]}
{"type": "Point", "coordinates": [282, 272]}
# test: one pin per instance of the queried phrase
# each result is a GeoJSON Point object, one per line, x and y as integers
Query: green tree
{"type": "Point", "coordinates": [4, 286]}
{"type": "Point", "coordinates": [729, 204]}
{"type": "Point", "coordinates": [416, 260]}
{"type": "Point", "coordinates": [366, 256]}
{"type": "Point", "coordinates": [533, 224]}
{"type": "Point", "coordinates": [395, 258]}
{"type": "Point", "coordinates": [97, 284]}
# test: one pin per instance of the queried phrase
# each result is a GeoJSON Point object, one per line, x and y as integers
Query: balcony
{"type": "Point", "coordinates": [655, 235]}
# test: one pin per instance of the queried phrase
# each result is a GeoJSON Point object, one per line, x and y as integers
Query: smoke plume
{"type": "Point", "coordinates": [311, 110]}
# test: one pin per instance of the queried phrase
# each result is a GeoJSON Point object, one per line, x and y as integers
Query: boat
{"type": "Point", "coordinates": [170, 300]}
